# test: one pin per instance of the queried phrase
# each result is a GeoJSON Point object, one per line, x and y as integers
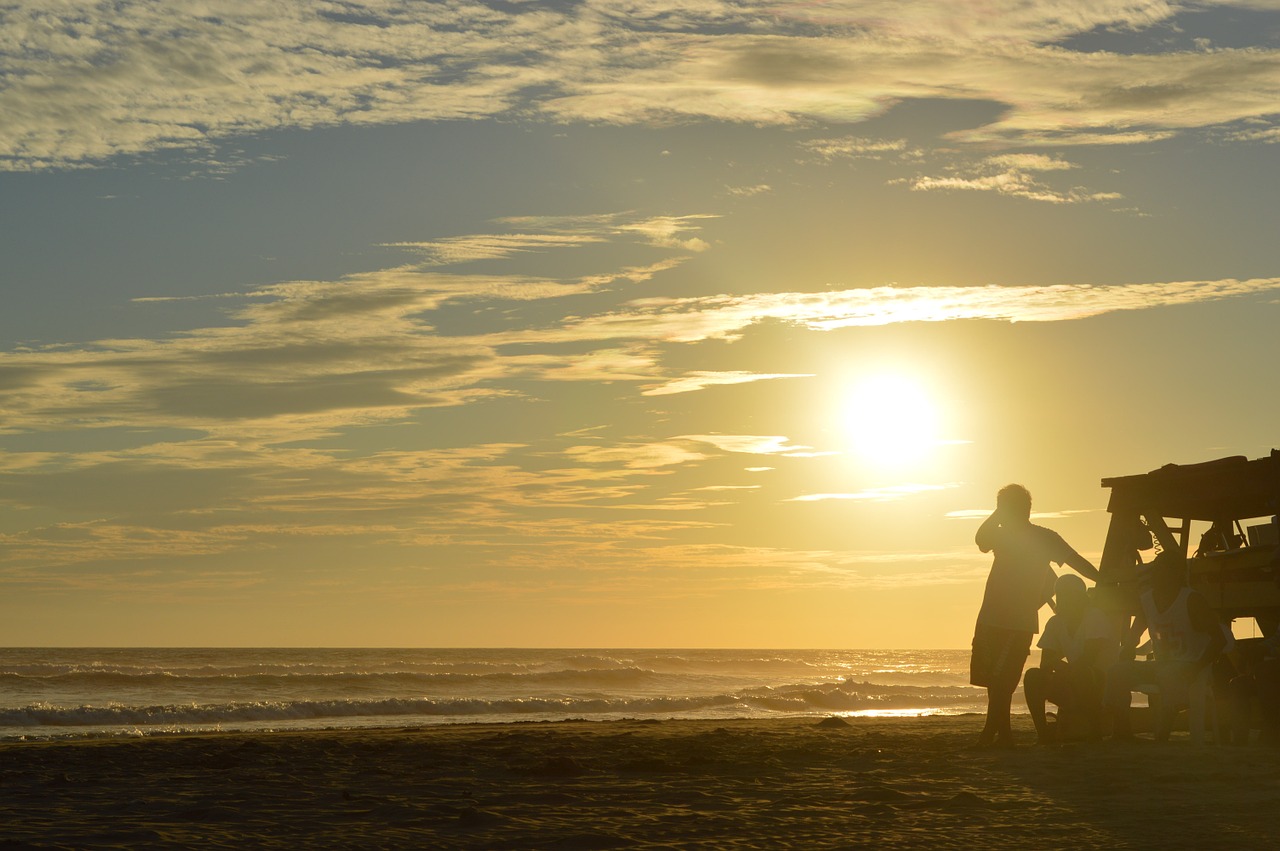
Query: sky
{"type": "Point", "coordinates": [635, 323]}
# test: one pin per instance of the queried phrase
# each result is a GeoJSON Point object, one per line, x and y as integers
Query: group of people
{"type": "Point", "coordinates": [1088, 651]}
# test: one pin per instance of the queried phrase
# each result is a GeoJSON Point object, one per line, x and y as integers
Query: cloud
{"type": "Point", "coordinates": [1049, 94]}
{"type": "Point", "coordinates": [560, 232]}
{"type": "Point", "coordinates": [131, 78]}
{"type": "Point", "coordinates": [725, 317]}
{"type": "Point", "coordinates": [856, 147]}
{"type": "Point", "coordinates": [885, 494]}
{"type": "Point", "coordinates": [1033, 21]}
{"type": "Point", "coordinates": [701, 380]}
{"type": "Point", "coordinates": [635, 456]}
{"type": "Point", "coordinates": [302, 359]}
{"type": "Point", "coordinates": [750, 191]}
{"type": "Point", "coordinates": [309, 361]}
{"type": "Point", "coordinates": [80, 86]}
{"type": "Point", "coordinates": [669, 231]}
{"type": "Point", "coordinates": [466, 249]}
{"type": "Point", "coordinates": [1267, 135]}
{"type": "Point", "coordinates": [1013, 174]}
{"type": "Point", "coordinates": [984, 513]}
{"type": "Point", "coordinates": [204, 497]}
{"type": "Point", "coordinates": [755, 444]}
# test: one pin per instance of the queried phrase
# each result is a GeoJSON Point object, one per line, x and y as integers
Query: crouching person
{"type": "Point", "coordinates": [1078, 645]}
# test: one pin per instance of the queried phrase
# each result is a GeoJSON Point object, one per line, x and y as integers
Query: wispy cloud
{"type": "Point", "coordinates": [78, 87]}
{"type": "Point", "coordinates": [635, 456]}
{"type": "Point", "coordinates": [1014, 174]}
{"type": "Point", "coordinates": [669, 231]}
{"type": "Point", "coordinates": [465, 249]}
{"type": "Point", "coordinates": [560, 232]}
{"type": "Point", "coordinates": [754, 444]}
{"type": "Point", "coordinates": [984, 513]}
{"type": "Point", "coordinates": [857, 147]}
{"type": "Point", "coordinates": [701, 380]}
{"type": "Point", "coordinates": [689, 320]}
{"type": "Point", "coordinates": [885, 494]}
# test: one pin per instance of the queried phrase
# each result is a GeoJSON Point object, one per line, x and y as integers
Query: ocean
{"type": "Point", "coordinates": [70, 693]}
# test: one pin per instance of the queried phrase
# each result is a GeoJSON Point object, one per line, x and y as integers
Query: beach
{"type": "Point", "coordinates": [739, 783]}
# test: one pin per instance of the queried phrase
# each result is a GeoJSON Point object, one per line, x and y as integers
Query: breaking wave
{"type": "Point", "coordinates": [57, 693]}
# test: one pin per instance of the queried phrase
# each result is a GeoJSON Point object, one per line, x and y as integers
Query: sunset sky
{"type": "Point", "coordinates": [618, 323]}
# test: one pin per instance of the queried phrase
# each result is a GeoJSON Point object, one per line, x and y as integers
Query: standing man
{"type": "Point", "coordinates": [1020, 582]}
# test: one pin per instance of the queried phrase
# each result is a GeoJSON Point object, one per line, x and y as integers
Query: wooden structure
{"type": "Point", "coordinates": [1222, 515]}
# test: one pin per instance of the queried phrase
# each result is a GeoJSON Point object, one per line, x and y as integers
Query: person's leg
{"type": "Point", "coordinates": [988, 735]}
{"type": "Point", "coordinates": [1117, 694]}
{"type": "Point", "coordinates": [1001, 708]}
{"type": "Point", "coordinates": [1267, 681]}
{"type": "Point", "coordinates": [999, 655]}
{"type": "Point", "coordinates": [998, 730]}
{"type": "Point", "coordinates": [1174, 681]}
{"type": "Point", "coordinates": [1088, 691]}
{"type": "Point", "coordinates": [1069, 690]}
{"type": "Point", "coordinates": [1033, 689]}
{"type": "Point", "coordinates": [1242, 693]}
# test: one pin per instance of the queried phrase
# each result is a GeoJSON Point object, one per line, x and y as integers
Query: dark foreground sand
{"type": "Point", "coordinates": [895, 783]}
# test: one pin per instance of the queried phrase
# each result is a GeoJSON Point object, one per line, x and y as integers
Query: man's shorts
{"type": "Point", "coordinates": [998, 656]}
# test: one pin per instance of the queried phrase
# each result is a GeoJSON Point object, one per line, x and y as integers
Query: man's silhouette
{"type": "Point", "coordinates": [1020, 582]}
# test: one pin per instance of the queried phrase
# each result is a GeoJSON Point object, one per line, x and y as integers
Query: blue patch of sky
{"type": "Point", "coordinates": [1220, 28]}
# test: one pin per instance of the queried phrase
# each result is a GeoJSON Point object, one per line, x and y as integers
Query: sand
{"type": "Point", "coordinates": [794, 783]}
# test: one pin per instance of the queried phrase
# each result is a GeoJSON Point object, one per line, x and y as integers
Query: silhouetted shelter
{"type": "Point", "coordinates": [1228, 507]}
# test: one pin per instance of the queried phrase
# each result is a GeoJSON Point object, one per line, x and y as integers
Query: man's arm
{"type": "Point", "coordinates": [1050, 645]}
{"type": "Point", "coordinates": [1080, 565]}
{"type": "Point", "coordinates": [1129, 641]}
{"type": "Point", "coordinates": [988, 532]}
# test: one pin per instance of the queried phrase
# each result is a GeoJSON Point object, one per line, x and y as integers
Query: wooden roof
{"type": "Point", "coordinates": [1225, 489]}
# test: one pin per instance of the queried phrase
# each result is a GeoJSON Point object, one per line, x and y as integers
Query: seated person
{"type": "Point", "coordinates": [1186, 637]}
{"type": "Point", "coordinates": [1078, 645]}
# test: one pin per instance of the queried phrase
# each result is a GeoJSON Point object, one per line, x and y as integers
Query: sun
{"type": "Point", "coordinates": [890, 420]}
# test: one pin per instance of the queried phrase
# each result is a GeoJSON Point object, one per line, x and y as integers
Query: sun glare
{"type": "Point", "coordinates": [890, 421]}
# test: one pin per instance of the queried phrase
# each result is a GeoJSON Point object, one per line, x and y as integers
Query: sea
{"type": "Point", "coordinates": [102, 693]}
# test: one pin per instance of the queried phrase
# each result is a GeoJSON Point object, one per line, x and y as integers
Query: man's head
{"type": "Point", "coordinates": [1014, 502]}
{"type": "Point", "coordinates": [1069, 593]}
{"type": "Point", "coordinates": [1168, 570]}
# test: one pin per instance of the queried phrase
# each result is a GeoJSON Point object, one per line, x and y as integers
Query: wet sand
{"type": "Point", "coordinates": [895, 783]}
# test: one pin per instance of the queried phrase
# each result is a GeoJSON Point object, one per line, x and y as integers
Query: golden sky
{"type": "Point", "coordinates": [609, 324]}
